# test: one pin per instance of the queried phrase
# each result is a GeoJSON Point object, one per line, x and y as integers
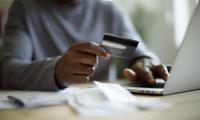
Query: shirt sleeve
{"type": "Point", "coordinates": [18, 71]}
{"type": "Point", "coordinates": [123, 26]}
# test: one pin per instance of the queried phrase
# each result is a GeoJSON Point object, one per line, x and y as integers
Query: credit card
{"type": "Point", "coordinates": [119, 46]}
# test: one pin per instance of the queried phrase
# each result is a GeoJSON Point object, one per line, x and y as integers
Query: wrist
{"type": "Point", "coordinates": [59, 85]}
{"type": "Point", "coordinates": [57, 80]}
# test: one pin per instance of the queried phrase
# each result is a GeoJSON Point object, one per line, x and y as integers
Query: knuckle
{"type": "Point", "coordinates": [84, 79]}
{"type": "Point", "coordinates": [75, 46]}
{"type": "Point", "coordinates": [147, 74]}
{"type": "Point", "coordinates": [160, 67]}
{"type": "Point", "coordinates": [89, 44]}
{"type": "Point", "coordinates": [90, 70]}
{"type": "Point", "coordinates": [87, 79]}
{"type": "Point", "coordinates": [72, 47]}
{"type": "Point", "coordinates": [69, 53]}
{"type": "Point", "coordinates": [69, 57]}
{"type": "Point", "coordinates": [145, 71]}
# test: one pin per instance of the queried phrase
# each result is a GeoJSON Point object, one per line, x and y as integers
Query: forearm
{"type": "Point", "coordinates": [38, 75]}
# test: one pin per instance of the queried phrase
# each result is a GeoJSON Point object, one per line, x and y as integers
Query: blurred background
{"type": "Point", "coordinates": [161, 24]}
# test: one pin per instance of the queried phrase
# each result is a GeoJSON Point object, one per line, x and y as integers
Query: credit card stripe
{"type": "Point", "coordinates": [113, 45]}
{"type": "Point", "coordinates": [119, 39]}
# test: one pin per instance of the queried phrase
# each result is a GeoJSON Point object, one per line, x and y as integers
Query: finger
{"type": "Point", "coordinates": [144, 75]}
{"type": "Point", "coordinates": [84, 70]}
{"type": "Point", "coordinates": [80, 69]}
{"type": "Point", "coordinates": [130, 74]}
{"type": "Point", "coordinates": [87, 59]}
{"type": "Point", "coordinates": [160, 71]}
{"type": "Point", "coordinates": [91, 48]}
{"type": "Point", "coordinates": [147, 75]}
{"type": "Point", "coordinates": [83, 58]}
{"type": "Point", "coordinates": [77, 79]}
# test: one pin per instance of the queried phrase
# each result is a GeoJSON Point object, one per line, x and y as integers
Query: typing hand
{"type": "Point", "coordinates": [145, 72]}
{"type": "Point", "coordinates": [79, 63]}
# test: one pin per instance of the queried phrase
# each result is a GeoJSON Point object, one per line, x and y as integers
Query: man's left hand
{"type": "Point", "coordinates": [144, 71]}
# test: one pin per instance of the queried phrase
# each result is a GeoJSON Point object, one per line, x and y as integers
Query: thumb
{"type": "Point", "coordinates": [130, 74]}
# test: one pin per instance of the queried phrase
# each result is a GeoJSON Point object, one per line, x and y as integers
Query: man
{"type": "Point", "coordinates": [50, 44]}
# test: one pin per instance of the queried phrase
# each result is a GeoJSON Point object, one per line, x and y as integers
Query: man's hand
{"type": "Point", "coordinates": [145, 72]}
{"type": "Point", "coordinates": [79, 63]}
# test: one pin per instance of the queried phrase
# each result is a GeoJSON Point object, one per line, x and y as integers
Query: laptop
{"type": "Point", "coordinates": [185, 74]}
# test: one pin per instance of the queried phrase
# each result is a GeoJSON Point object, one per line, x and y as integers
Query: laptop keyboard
{"type": "Point", "coordinates": [160, 83]}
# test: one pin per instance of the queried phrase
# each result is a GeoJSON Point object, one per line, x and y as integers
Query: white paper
{"type": "Point", "coordinates": [108, 99]}
{"type": "Point", "coordinates": [115, 92]}
{"type": "Point", "coordinates": [36, 99]}
{"type": "Point", "coordinates": [93, 102]}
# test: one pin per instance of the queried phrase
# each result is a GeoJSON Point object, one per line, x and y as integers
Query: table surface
{"type": "Point", "coordinates": [185, 106]}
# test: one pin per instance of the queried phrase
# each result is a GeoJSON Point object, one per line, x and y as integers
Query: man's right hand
{"type": "Point", "coordinates": [79, 63]}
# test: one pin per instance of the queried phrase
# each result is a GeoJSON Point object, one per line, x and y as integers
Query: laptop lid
{"type": "Point", "coordinates": [185, 75]}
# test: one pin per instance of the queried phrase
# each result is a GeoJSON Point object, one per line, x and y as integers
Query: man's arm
{"type": "Point", "coordinates": [17, 69]}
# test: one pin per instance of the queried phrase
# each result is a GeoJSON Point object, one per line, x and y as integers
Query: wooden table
{"type": "Point", "coordinates": [185, 106]}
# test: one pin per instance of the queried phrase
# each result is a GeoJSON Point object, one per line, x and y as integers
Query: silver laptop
{"type": "Point", "coordinates": [185, 75]}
